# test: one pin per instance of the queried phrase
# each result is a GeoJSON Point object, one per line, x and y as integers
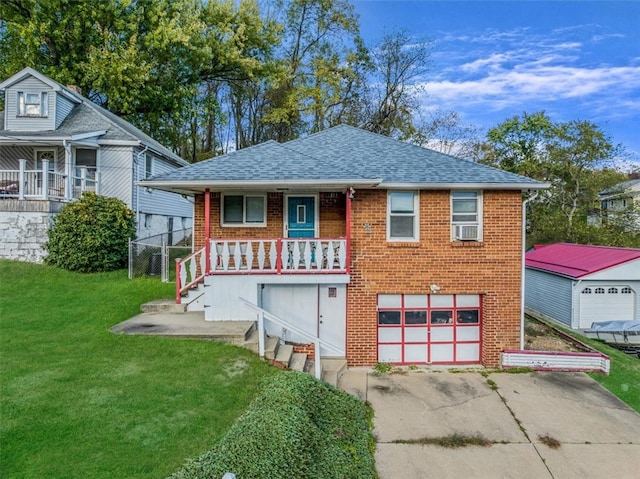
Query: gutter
{"type": "Point", "coordinates": [524, 246]}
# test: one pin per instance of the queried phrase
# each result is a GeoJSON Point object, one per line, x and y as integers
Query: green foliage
{"type": "Point", "coordinates": [297, 427]}
{"type": "Point", "coordinates": [91, 235]}
{"type": "Point", "coordinates": [575, 158]}
{"type": "Point", "coordinates": [383, 368]}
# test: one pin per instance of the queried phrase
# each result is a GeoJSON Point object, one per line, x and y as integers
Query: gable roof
{"type": "Point", "coordinates": [86, 117]}
{"type": "Point", "coordinates": [576, 261]}
{"type": "Point", "coordinates": [620, 189]}
{"type": "Point", "coordinates": [338, 156]}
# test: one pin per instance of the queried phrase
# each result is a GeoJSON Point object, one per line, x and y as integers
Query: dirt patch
{"type": "Point", "coordinates": [540, 337]}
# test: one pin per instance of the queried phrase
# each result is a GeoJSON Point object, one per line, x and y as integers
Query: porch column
{"type": "Point", "coordinates": [21, 178]}
{"type": "Point", "coordinates": [349, 195]}
{"type": "Point", "coordinates": [207, 229]}
{"type": "Point", "coordinates": [45, 179]}
{"type": "Point", "coordinates": [68, 171]}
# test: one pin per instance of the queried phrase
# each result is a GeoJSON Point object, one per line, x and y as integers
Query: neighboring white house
{"type": "Point", "coordinates": [578, 285]}
{"type": "Point", "coordinates": [54, 145]}
{"type": "Point", "coordinates": [621, 198]}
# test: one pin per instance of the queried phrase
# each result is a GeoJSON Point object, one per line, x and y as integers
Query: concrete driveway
{"type": "Point", "coordinates": [540, 425]}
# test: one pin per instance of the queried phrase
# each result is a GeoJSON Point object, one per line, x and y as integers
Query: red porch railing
{"type": "Point", "coordinates": [263, 256]}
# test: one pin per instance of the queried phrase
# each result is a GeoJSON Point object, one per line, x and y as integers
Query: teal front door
{"type": "Point", "coordinates": [301, 217]}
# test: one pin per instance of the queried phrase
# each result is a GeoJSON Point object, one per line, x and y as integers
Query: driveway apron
{"type": "Point", "coordinates": [539, 425]}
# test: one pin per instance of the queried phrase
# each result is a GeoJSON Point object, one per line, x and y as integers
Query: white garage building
{"type": "Point", "coordinates": [580, 284]}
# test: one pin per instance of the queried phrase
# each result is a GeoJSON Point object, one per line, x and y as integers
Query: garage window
{"type": "Point", "coordinates": [586, 291]}
{"type": "Point", "coordinates": [613, 291]}
{"type": "Point", "coordinates": [626, 290]}
{"type": "Point", "coordinates": [599, 290]}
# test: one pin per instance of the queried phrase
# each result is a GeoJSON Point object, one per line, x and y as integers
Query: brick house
{"type": "Point", "coordinates": [374, 249]}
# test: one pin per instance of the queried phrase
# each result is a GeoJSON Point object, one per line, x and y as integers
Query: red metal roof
{"type": "Point", "coordinates": [576, 260]}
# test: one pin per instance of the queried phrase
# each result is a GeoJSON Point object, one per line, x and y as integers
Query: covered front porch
{"type": "Point", "coordinates": [58, 169]}
{"type": "Point", "coordinates": [292, 233]}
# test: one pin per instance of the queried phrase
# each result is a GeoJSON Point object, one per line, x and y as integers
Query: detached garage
{"type": "Point", "coordinates": [578, 285]}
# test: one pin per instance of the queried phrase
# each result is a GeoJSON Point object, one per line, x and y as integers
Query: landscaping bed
{"type": "Point", "coordinates": [541, 337]}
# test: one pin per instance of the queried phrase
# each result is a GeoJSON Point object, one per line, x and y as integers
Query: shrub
{"type": "Point", "coordinates": [91, 235]}
{"type": "Point", "coordinates": [297, 427]}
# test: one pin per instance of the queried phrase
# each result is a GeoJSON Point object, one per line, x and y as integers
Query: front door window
{"type": "Point", "coordinates": [301, 217]}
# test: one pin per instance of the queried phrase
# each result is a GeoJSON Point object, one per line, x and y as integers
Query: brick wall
{"type": "Point", "coordinates": [332, 219]}
{"type": "Point", "coordinates": [490, 268]}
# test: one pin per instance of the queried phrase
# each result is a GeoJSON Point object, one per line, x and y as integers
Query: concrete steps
{"type": "Point", "coordinates": [165, 318]}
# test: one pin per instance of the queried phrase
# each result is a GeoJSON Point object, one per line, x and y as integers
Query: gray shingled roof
{"type": "Point", "coordinates": [87, 117]}
{"type": "Point", "coordinates": [341, 154]}
{"type": "Point", "coordinates": [619, 188]}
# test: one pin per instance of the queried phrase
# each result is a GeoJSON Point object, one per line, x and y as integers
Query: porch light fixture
{"type": "Point", "coordinates": [352, 193]}
{"type": "Point", "coordinates": [435, 288]}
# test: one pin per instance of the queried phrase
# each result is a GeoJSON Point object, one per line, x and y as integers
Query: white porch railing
{"type": "Point", "coordinates": [44, 184]}
{"type": "Point", "coordinates": [283, 255]}
{"type": "Point", "coordinates": [262, 316]}
{"type": "Point", "coordinates": [262, 256]}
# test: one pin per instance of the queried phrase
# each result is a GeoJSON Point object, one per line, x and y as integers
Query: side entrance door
{"type": "Point", "coordinates": [301, 217]}
{"type": "Point", "coordinates": [332, 307]}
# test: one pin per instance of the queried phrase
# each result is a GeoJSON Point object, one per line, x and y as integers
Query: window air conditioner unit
{"type": "Point", "coordinates": [466, 232]}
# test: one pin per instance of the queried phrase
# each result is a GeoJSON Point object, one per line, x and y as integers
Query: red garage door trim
{"type": "Point", "coordinates": [429, 329]}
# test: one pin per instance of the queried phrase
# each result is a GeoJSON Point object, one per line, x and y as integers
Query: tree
{"type": "Point", "coordinates": [574, 157]}
{"type": "Point", "coordinates": [392, 95]}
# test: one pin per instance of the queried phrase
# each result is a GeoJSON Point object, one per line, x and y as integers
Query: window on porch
{"type": "Point", "coordinates": [244, 210]}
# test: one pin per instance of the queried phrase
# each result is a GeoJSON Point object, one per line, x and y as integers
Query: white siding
{"type": "Point", "coordinates": [115, 165]}
{"type": "Point", "coordinates": [162, 202]}
{"type": "Point", "coordinates": [549, 294]}
{"type": "Point", "coordinates": [9, 156]}
{"type": "Point", "coordinates": [627, 271]}
{"type": "Point", "coordinates": [16, 123]}
{"type": "Point", "coordinates": [63, 108]}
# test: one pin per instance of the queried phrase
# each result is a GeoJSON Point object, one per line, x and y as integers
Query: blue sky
{"type": "Point", "coordinates": [493, 60]}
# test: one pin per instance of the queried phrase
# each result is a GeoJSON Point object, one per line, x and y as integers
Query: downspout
{"type": "Point", "coordinates": [136, 175]}
{"type": "Point", "coordinates": [349, 194]}
{"type": "Point", "coordinates": [207, 230]}
{"type": "Point", "coordinates": [524, 247]}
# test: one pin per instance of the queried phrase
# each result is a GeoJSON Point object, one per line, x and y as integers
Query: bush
{"type": "Point", "coordinates": [91, 235]}
{"type": "Point", "coordinates": [298, 427]}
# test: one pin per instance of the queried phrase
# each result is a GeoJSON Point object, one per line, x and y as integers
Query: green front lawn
{"type": "Point", "coordinates": [81, 402]}
{"type": "Point", "coordinates": [623, 379]}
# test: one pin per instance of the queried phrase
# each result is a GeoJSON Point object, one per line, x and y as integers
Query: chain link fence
{"type": "Point", "coordinates": [156, 255]}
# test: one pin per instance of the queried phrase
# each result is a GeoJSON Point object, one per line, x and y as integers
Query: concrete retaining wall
{"type": "Point", "coordinates": [22, 235]}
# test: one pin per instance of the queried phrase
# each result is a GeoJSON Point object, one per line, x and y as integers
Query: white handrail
{"type": "Point", "coordinates": [317, 342]}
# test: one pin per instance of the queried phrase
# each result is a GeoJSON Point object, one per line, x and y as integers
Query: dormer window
{"type": "Point", "coordinates": [32, 104]}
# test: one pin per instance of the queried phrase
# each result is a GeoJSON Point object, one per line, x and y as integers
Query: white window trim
{"type": "Point", "coordinates": [43, 104]}
{"type": "Point", "coordinates": [478, 223]}
{"type": "Point", "coordinates": [416, 215]}
{"type": "Point", "coordinates": [244, 223]}
{"type": "Point", "coordinates": [150, 160]}
{"type": "Point", "coordinates": [36, 157]}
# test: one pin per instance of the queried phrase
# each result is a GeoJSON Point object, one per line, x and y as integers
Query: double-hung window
{"type": "Point", "coordinates": [402, 216]}
{"type": "Point", "coordinates": [244, 210]}
{"type": "Point", "coordinates": [33, 104]}
{"type": "Point", "coordinates": [466, 216]}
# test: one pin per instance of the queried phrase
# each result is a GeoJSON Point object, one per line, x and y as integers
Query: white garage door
{"type": "Point", "coordinates": [429, 329]}
{"type": "Point", "coordinates": [606, 303]}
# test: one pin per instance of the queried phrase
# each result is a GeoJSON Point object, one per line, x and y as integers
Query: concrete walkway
{"type": "Point", "coordinates": [597, 435]}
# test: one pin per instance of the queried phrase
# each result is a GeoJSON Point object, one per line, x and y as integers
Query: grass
{"type": "Point", "coordinates": [623, 379]}
{"type": "Point", "coordinates": [453, 441]}
{"type": "Point", "coordinates": [79, 401]}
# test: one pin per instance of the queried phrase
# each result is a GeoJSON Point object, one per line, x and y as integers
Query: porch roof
{"type": "Point", "coordinates": [337, 157]}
